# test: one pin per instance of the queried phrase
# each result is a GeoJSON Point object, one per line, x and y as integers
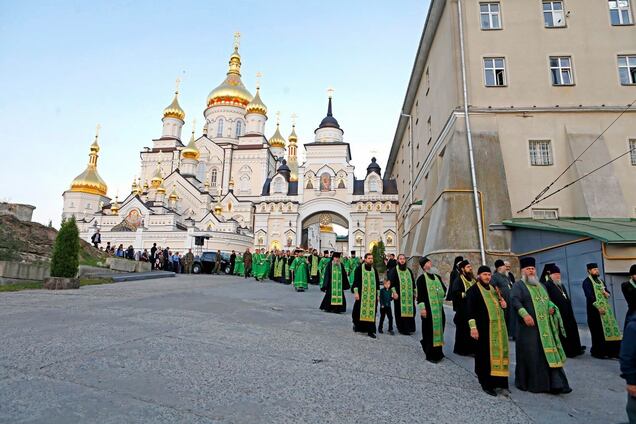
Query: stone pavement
{"type": "Point", "coordinates": [204, 349]}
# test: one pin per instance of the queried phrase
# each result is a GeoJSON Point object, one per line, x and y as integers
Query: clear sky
{"type": "Point", "coordinates": [67, 65]}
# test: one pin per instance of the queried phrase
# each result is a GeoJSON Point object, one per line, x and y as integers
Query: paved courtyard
{"type": "Point", "coordinates": [202, 349]}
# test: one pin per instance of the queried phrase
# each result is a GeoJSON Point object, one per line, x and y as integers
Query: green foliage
{"type": "Point", "coordinates": [26, 285]}
{"type": "Point", "coordinates": [65, 261]}
{"type": "Point", "coordinates": [378, 257]}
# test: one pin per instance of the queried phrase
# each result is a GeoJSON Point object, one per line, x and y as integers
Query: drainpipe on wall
{"type": "Point", "coordinates": [469, 137]}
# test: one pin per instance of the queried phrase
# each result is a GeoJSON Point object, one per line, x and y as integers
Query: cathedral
{"type": "Point", "coordinates": [231, 187]}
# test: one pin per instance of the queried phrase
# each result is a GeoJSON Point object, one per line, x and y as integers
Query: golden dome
{"type": "Point", "coordinates": [114, 207]}
{"type": "Point", "coordinates": [257, 105]}
{"type": "Point", "coordinates": [173, 195]}
{"type": "Point", "coordinates": [134, 188]}
{"type": "Point", "coordinates": [161, 189]}
{"type": "Point", "coordinates": [191, 151]}
{"type": "Point", "coordinates": [174, 109]}
{"type": "Point", "coordinates": [231, 92]}
{"type": "Point", "coordinates": [89, 181]}
{"type": "Point", "coordinates": [157, 178]}
{"type": "Point", "coordinates": [293, 138]}
{"type": "Point", "coordinates": [218, 209]}
{"type": "Point", "coordinates": [277, 139]}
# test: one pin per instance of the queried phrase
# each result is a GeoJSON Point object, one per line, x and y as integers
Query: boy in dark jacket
{"type": "Point", "coordinates": [385, 306]}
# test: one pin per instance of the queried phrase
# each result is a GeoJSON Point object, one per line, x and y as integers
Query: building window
{"type": "Point", "coordinates": [495, 71]}
{"type": "Point", "coordinates": [627, 69]}
{"type": "Point", "coordinates": [541, 153]}
{"type": "Point", "coordinates": [561, 70]}
{"type": "Point", "coordinates": [213, 176]}
{"type": "Point", "coordinates": [428, 84]}
{"type": "Point", "coordinates": [219, 128]}
{"type": "Point", "coordinates": [429, 128]}
{"type": "Point", "coordinates": [490, 15]}
{"type": "Point", "coordinates": [553, 16]}
{"type": "Point", "coordinates": [545, 214]}
{"type": "Point", "coordinates": [201, 171]}
{"type": "Point", "coordinates": [620, 12]}
{"type": "Point", "coordinates": [239, 128]}
{"type": "Point", "coordinates": [632, 151]}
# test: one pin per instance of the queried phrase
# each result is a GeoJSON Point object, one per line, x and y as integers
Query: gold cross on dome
{"type": "Point", "coordinates": [237, 40]}
{"type": "Point", "coordinates": [176, 85]}
{"type": "Point", "coordinates": [258, 80]}
{"type": "Point", "coordinates": [330, 92]}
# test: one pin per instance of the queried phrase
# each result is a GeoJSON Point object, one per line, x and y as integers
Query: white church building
{"type": "Point", "coordinates": [234, 188]}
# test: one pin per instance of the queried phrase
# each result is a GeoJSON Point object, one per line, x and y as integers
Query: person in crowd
{"type": "Point", "coordinates": [502, 284]}
{"type": "Point", "coordinates": [629, 290]}
{"type": "Point", "coordinates": [628, 361]}
{"type": "Point", "coordinates": [403, 293]}
{"type": "Point", "coordinates": [314, 260]}
{"type": "Point", "coordinates": [96, 238]}
{"type": "Point", "coordinates": [464, 344]}
{"type": "Point", "coordinates": [217, 263]}
{"type": "Point", "coordinates": [391, 262]}
{"type": "Point", "coordinates": [385, 307]}
{"type": "Point", "coordinates": [430, 301]}
{"type": "Point", "coordinates": [300, 272]}
{"type": "Point", "coordinates": [366, 285]}
{"type": "Point", "coordinates": [247, 262]}
{"type": "Point", "coordinates": [335, 284]}
{"type": "Point", "coordinates": [232, 262]}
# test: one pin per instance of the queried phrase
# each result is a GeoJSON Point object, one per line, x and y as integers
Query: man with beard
{"type": "Point", "coordinates": [403, 293]}
{"type": "Point", "coordinates": [464, 344]}
{"type": "Point", "coordinates": [335, 283]}
{"type": "Point", "coordinates": [322, 266]}
{"type": "Point", "coordinates": [287, 275]}
{"type": "Point", "coordinates": [279, 260]}
{"type": "Point", "coordinates": [629, 291]}
{"type": "Point", "coordinates": [501, 282]}
{"type": "Point", "coordinates": [366, 285]}
{"type": "Point", "coordinates": [606, 335]}
{"type": "Point", "coordinates": [430, 300]}
{"type": "Point", "coordinates": [300, 272]}
{"type": "Point", "coordinates": [354, 262]}
{"type": "Point", "coordinates": [487, 323]}
{"type": "Point", "coordinates": [539, 354]}
{"type": "Point", "coordinates": [511, 276]}
{"type": "Point", "coordinates": [453, 275]}
{"type": "Point", "coordinates": [571, 341]}
{"type": "Point", "coordinates": [391, 263]}
{"type": "Point", "coordinates": [314, 259]}
{"type": "Point", "coordinates": [247, 263]}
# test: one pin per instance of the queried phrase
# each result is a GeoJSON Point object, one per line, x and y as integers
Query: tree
{"type": "Point", "coordinates": [65, 261]}
{"type": "Point", "coordinates": [378, 257]}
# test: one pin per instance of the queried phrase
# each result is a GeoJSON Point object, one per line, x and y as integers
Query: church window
{"type": "Point", "coordinates": [278, 185]}
{"type": "Point", "coordinates": [213, 177]}
{"type": "Point", "coordinates": [219, 128]}
{"type": "Point", "coordinates": [239, 128]}
{"type": "Point", "coordinates": [201, 171]}
{"type": "Point", "coordinates": [373, 185]}
{"type": "Point", "coordinates": [244, 184]}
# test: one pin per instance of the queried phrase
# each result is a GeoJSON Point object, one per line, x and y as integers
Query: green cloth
{"type": "Point", "coordinates": [368, 296]}
{"type": "Point", "coordinates": [436, 300]}
{"type": "Point", "coordinates": [299, 266]}
{"type": "Point", "coordinates": [499, 360]}
{"type": "Point", "coordinates": [548, 325]}
{"type": "Point", "coordinates": [314, 265]}
{"type": "Point", "coordinates": [406, 293]}
{"type": "Point", "coordinates": [322, 269]}
{"type": "Point", "coordinates": [257, 265]}
{"type": "Point", "coordinates": [336, 284]}
{"type": "Point", "coordinates": [353, 265]}
{"type": "Point", "coordinates": [611, 331]}
{"type": "Point", "coordinates": [278, 266]}
{"type": "Point", "coordinates": [287, 268]}
{"type": "Point", "coordinates": [239, 266]}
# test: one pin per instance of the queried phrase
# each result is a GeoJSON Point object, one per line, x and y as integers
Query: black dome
{"type": "Point", "coordinates": [329, 121]}
{"type": "Point", "coordinates": [374, 167]}
{"type": "Point", "coordinates": [284, 170]}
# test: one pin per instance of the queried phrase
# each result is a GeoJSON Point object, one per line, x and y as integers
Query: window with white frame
{"type": "Point", "coordinates": [620, 12]}
{"type": "Point", "coordinates": [553, 16]}
{"type": "Point", "coordinates": [213, 177]}
{"type": "Point", "coordinates": [545, 214]}
{"type": "Point", "coordinates": [541, 153]}
{"type": "Point", "coordinates": [219, 128]}
{"type": "Point", "coordinates": [495, 71]}
{"type": "Point", "coordinates": [239, 128]}
{"type": "Point", "coordinates": [627, 69]}
{"type": "Point", "coordinates": [561, 70]}
{"type": "Point", "coordinates": [490, 15]}
{"type": "Point", "coordinates": [632, 151]}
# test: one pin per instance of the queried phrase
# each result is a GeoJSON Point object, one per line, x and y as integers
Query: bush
{"type": "Point", "coordinates": [378, 257]}
{"type": "Point", "coordinates": [65, 261]}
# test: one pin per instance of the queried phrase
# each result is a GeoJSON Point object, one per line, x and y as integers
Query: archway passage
{"type": "Point", "coordinates": [325, 230]}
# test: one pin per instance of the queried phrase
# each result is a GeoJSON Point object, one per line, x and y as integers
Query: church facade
{"type": "Point", "coordinates": [233, 188]}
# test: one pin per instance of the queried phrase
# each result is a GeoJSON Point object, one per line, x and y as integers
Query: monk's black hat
{"type": "Point", "coordinates": [483, 269]}
{"type": "Point", "coordinates": [463, 263]}
{"type": "Point", "coordinates": [632, 270]}
{"type": "Point", "coordinates": [499, 263]}
{"type": "Point", "coordinates": [553, 269]}
{"type": "Point", "coordinates": [353, 252]}
{"type": "Point", "coordinates": [423, 260]}
{"type": "Point", "coordinates": [326, 252]}
{"type": "Point", "coordinates": [592, 265]}
{"type": "Point", "coordinates": [457, 260]}
{"type": "Point", "coordinates": [335, 255]}
{"type": "Point", "coordinates": [526, 262]}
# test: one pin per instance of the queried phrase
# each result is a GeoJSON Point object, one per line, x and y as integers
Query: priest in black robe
{"type": "Point", "coordinates": [539, 355]}
{"type": "Point", "coordinates": [334, 299]}
{"type": "Point", "coordinates": [366, 287]}
{"type": "Point", "coordinates": [487, 323]}
{"type": "Point", "coordinates": [464, 344]}
{"type": "Point", "coordinates": [430, 300]}
{"type": "Point", "coordinates": [503, 284]}
{"type": "Point", "coordinates": [403, 292]}
{"type": "Point", "coordinates": [453, 274]}
{"type": "Point", "coordinates": [559, 296]}
{"type": "Point", "coordinates": [629, 291]}
{"type": "Point", "coordinates": [314, 259]}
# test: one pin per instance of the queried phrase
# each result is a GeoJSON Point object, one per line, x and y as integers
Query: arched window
{"type": "Point", "coordinates": [201, 171]}
{"type": "Point", "coordinates": [239, 128]}
{"type": "Point", "coordinates": [213, 175]}
{"type": "Point", "coordinates": [219, 128]}
{"type": "Point", "coordinates": [244, 183]}
{"type": "Point", "coordinates": [373, 185]}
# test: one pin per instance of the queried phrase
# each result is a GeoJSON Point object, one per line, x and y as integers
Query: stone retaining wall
{"type": "Point", "coordinates": [11, 272]}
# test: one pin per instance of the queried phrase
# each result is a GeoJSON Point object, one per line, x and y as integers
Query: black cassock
{"type": "Point", "coordinates": [464, 344]}
{"type": "Point", "coordinates": [559, 296]}
{"type": "Point", "coordinates": [405, 325]}
{"type": "Point", "coordinates": [433, 353]}
{"type": "Point", "coordinates": [532, 372]}
{"type": "Point", "coordinates": [326, 301]}
{"type": "Point", "coordinates": [478, 311]}
{"type": "Point", "coordinates": [601, 348]}
{"type": "Point", "coordinates": [363, 326]}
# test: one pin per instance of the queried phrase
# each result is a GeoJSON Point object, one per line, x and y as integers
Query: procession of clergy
{"type": "Point", "coordinates": [490, 309]}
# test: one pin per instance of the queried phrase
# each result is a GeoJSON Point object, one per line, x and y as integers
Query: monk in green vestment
{"type": "Point", "coordinates": [335, 284]}
{"type": "Point", "coordinates": [239, 266]}
{"type": "Point", "coordinates": [279, 260]}
{"type": "Point", "coordinates": [539, 353]}
{"type": "Point", "coordinates": [366, 288]}
{"type": "Point", "coordinates": [354, 262]}
{"type": "Point", "coordinates": [403, 293]}
{"type": "Point", "coordinates": [322, 266]}
{"type": "Point", "coordinates": [606, 334]}
{"type": "Point", "coordinates": [257, 264]}
{"type": "Point", "coordinates": [430, 300]}
{"type": "Point", "coordinates": [314, 260]}
{"type": "Point", "coordinates": [487, 322]}
{"type": "Point", "coordinates": [300, 272]}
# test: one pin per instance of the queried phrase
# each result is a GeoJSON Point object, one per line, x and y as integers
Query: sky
{"type": "Point", "coordinates": [66, 66]}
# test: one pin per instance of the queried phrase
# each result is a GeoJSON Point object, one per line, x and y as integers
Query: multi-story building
{"type": "Point", "coordinates": [524, 93]}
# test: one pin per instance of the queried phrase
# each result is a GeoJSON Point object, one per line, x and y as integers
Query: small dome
{"type": "Point", "coordinates": [173, 195]}
{"type": "Point", "coordinates": [257, 105]}
{"type": "Point", "coordinates": [157, 178]}
{"type": "Point", "coordinates": [231, 91]}
{"type": "Point", "coordinates": [174, 109]}
{"type": "Point", "coordinates": [284, 170]}
{"type": "Point", "coordinates": [89, 181]}
{"type": "Point", "coordinates": [277, 139]}
{"type": "Point", "coordinates": [293, 138]}
{"type": "Point", "coordinates": [329, 121]}
{"type": "Point", "coordinates": [114, 207]}
{"type": "Point", "coordinates": [374, 167]}
{"type": "Point", "coordinates": [191, 151]}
